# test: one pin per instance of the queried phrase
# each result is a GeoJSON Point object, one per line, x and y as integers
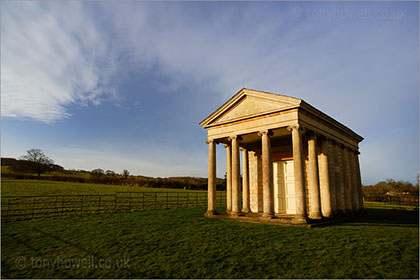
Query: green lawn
{"type": "Point", "coordinates": [390, 205]}
{"type": "Point", "coordinates": [181, 243]}
{"type": "Point", "coordinates": [64, 199]}
{"type": "Point", "coordinates": [39, 187]}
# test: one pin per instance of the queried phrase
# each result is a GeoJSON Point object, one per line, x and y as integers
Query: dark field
{"type": "Point", "coordinates": [181, 243]}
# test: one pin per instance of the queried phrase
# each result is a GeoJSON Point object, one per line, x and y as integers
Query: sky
{"type": "Point", "coordinates": [124, 85]}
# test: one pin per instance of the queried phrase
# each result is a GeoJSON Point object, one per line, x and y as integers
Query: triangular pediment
{"type": "Point", "coordinates": [247, 104]}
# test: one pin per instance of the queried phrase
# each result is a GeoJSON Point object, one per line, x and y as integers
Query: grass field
{"type": "Point", "coordinates": [181, 243]}
{"type": "Point", "coordinates": [39, 187]}
{"type": "Point", "coordinates": [43, 199]}
{"type": "Point", "coordinates": [390, 205]}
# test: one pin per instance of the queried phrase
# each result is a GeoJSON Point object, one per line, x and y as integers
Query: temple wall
{"type": "Point", "coordinates": [255, 183]}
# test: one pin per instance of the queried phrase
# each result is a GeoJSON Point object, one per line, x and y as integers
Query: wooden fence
{"type": "Point", "coordinates": [28, 207]}
{"type": "Point", "coordinates": [405, 203]}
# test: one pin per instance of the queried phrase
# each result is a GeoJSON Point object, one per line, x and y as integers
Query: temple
{"type": "Point", "coordinates": [298, 164]}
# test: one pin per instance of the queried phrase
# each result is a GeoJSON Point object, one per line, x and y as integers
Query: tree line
{"type": "Point", "coordinates": [36, 162]}
{"type": "Point", "coordinates": [391, 188]}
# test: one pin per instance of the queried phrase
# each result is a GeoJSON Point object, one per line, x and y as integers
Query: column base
{"type": "Point", "coordinates": [315, 216]}
{"type": "Point", "coordinates": [267, 216]}
{"type": "Point", "coordinates": [236, 214]}
{"type": "Point", "coordinates": [211, 213]}
{"type": "Point", "coordinates": [340, 213]}
{"type": "Point", "coordinates": [299, 220]}
{"type": "Point", "coordinates": [244, 210]}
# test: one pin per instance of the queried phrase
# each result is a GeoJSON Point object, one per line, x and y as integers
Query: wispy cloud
{"type": "Point", "coordinates": [53, 55]}
{"type": "Point", "coordinates": [363, 70]}
{"type": "Point", "coordinates": [325, 63]}
{"type": "Point", "coordinates": [220, 55]}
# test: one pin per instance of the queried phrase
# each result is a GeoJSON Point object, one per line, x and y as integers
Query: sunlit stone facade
{"type": "Point", "coordinates": [298, 164]}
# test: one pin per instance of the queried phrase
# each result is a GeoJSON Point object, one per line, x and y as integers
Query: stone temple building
{"type": "Point", "coordinates": [298, 164]}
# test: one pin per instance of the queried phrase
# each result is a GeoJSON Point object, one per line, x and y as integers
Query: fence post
{"type": "Point", "coordinates": [115, 202]}
{"type": "Point", "coordinates": [143, 199]}
{"type": "Point", "coordinates": [129, 204]}
{"type": "Point", "coordinates": [167, 199]}
{"type": "Point", "coordinates": [33, 208]}
{"type": "Point", "coordinates": [56, 205]}
{"type": "Point", "coordinates": [187, 199]}
{"type": "Point", "coordinates": [196, 198]}
{"type": "Point", "coordinates": [62, 206]}
{"type": "Point", "coordinates": [155, 200]}
{"type": "Point", "coordinates": [99, 206]}
{"type": "Point", "coordinates": [81, 206]}
{"type": "Point", "coordinates": [177, 200]}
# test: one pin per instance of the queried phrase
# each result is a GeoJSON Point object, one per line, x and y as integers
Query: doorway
{"type": "Point", "coordinates": [284, 187]}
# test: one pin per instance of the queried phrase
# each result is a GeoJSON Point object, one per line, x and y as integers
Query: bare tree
{"type": "Point", "coordinates": [125, 173]}
{"type": "Point", "coordinates": [43, 163]}
{"type": "Point", "coordinates": [36, 155]}
{"type": "Point", "coordinates": [98, 172]}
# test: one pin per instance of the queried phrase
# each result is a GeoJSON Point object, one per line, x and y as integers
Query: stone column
{"type": "Point", "coordinates": [313, 180]}
{"type": "Point", "coordinates": [347, 181]}
{"type": "Point", "coordinates": [228, 178]}
{"type": "Point", "coordinates": [332, 179]}
{"type": "Point", "coordinates": [260, 198]}
{"type": "Point", "coordinates": [341, 204]}
{"type": "Point", "coordinates": [355, 193]}
{"type": "Point", "coordinates": [359, 183]}
{"type": "Point", "coordinates": [211, 209]}
{"type": "Point", "coordinates": [267, 175]}
{"type": "Point", "coordinates": [301, 214]}
{"type": "Point", "coordinates": [324, 182]}
{"type": "Point", "coordinates": [245, 182]}
{"type": "Point", "coordinates": [236, 177]}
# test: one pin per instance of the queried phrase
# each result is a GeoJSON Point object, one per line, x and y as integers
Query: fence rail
{"type": "Point", "coordinates": [406, 203]}
{"type": "Point", "coordinates": [28, 207]}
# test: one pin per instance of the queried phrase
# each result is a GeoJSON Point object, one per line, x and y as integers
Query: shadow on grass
{"type": "Point", "coordinates": [386, 217]}
{"type": "Point", "coordinates": [98, 257]}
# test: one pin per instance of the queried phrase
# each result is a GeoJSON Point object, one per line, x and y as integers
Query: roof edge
{"type": "Point", "coordinates": [238, 95]}
{"type": "Point", "coordinates": [311, 109]}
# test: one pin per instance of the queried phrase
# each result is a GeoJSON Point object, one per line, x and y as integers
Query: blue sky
{"type": "Point", "coordinates": [123, 85]}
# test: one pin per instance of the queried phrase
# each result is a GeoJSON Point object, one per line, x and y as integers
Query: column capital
{"type": "Point", "coordinates": [350, 149]}
{"type": "Point", "coordinates": [355, 151]}
{"type": "Point", "coordinates": [257, 153]}
{"type": "Point", "coordinates": [294, 126]}
{"type": "Point", "coordinates": [209, 141]}
{"type": "Point", "coordinates": [323, 137]}
{"type": "Point", "coordinates": [236, 137]}
{"type": "Point", "coordinates": [226, 145]}
{"type": "Point", "coordinates": [311, 133]}
{"type": "Point", "coordinates": [265, 132]}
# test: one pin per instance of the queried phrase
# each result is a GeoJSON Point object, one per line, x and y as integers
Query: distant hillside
{"type": "Point", "coordinates": [18, 164]}
{"type": "Point", "coordinates": [18, 169]}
